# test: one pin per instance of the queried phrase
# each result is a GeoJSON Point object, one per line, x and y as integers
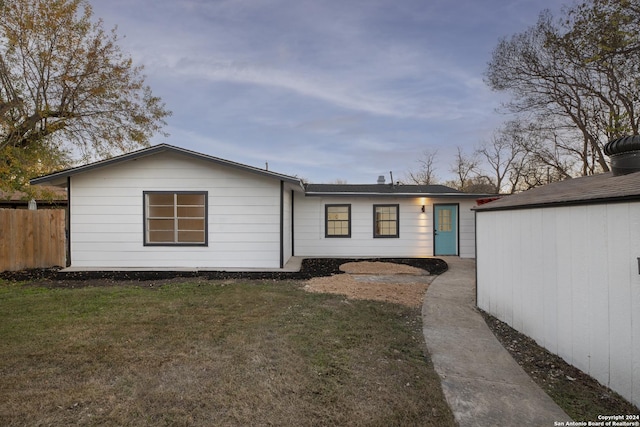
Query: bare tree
{"type": "Point", "coordinates": [480, 184]}
{"type": "Point", "coordinates": [504, 154]}
{"type": "Point", "coordinates": [465, 167]}
{"type": "Point", "coordinates": [576, 78]}
{"type": "Point", "coordinates": [425, 174]}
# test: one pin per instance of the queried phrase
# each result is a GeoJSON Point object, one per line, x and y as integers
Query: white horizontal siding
{"type": "Point", "coordinates": [416, 228]}
{"type": "Point", "coordinates": [467, 220]}
{"type": "Point", "coordinates": [107, 215]}
{"type": "Point", "coordinates": [198, 260]}
{"type": "Point", "coordinates": [568, 278]}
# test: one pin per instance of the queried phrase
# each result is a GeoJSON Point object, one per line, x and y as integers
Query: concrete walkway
{"type": "Point", "coordinates": [482, 383]}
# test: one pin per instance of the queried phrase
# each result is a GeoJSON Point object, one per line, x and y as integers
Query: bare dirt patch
{"type": "Point", "coordinates": [373, 267]}
{"type": "Point", "coordinates": [380, 281]}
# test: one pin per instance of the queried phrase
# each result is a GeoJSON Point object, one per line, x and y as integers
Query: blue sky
{"type": "Point", "coordinates": [323, 89]}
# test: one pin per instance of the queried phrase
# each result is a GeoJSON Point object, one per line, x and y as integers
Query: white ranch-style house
{"type": "Point", "coordinates": [166, 207]}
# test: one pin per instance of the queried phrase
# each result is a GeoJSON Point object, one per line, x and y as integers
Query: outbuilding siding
{"type": "Point", "coordinates": [107, 215]}
{"type": "Point", "coordinates": [467, 238]}
{"type": "Point", "coordinates": [568, 277]}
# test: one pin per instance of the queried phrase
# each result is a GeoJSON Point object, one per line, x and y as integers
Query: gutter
{"type": "Point", "coordinates": [360, 194]}
{"type": "Point", "coordinates": [540, 205]}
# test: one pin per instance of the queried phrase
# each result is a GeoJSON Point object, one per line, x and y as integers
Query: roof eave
{"type": "Point", "coordinates": [58, 178]}
{"type": "Point", "coordinates": [370, 194]}
{"type": "Point", "coordinates": [556, 204]}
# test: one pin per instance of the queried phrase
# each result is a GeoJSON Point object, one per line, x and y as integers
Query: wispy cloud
{"type": "Point", "coordinates": [358, 86]}
{"type": "Point", "coordinates": [337, 53]}
{"type": "Point", "coordinates": [386, 86]}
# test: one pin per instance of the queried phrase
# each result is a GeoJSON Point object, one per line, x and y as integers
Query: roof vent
{"type": "Point", "coordinates": [625, 155]}
{"type": "Point", "coordinates": [381, 179]}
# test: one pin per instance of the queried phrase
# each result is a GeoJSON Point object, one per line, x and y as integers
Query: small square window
{"type": "Point", "coordinates": [337, 220]}
{"type": "Point", "coordinates": [175, 218]}
{"type": "Point", "coordinates": [386, 221]}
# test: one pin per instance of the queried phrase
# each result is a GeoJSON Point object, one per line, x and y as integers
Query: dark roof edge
{"type": "Point", "coordinates": [370, 194]}
{"type": "Point", "coordinates": [158, 149]}
{"type": "Point", "coordinates": [599, 201]}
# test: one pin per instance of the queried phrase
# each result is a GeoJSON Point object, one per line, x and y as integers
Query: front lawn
{"type": "Point", "coordinates": [205, 352]}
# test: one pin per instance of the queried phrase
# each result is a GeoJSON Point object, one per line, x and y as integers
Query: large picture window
{"type": "Point", "coordinates": [385, 221]}
{"type": "Point", "coordinates": [337, 220]}
{"type": "Point", "coordinates": [175, 218]}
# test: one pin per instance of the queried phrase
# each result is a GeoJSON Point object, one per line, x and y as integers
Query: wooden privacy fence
{"type": "Point", "coordinates": [32, 239]}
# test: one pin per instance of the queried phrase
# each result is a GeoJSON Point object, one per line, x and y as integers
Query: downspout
{"type": "Point", "coordinates": [67, 220]}
{"type": "Point", "coordinates": [281, 224]}
{"type": "Point", "coordinates": [293, 240]}
{"type": "Point", "coordinates": [475, 243]}
{"type": "Point", "coordinates": [458, 213]}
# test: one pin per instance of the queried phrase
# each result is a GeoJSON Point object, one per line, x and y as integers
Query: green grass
{"type": "Point", "coordinates": [211, 353]}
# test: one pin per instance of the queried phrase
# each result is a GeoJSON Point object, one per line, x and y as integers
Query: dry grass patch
{"type": "Point", "coordinates": [211, 353]}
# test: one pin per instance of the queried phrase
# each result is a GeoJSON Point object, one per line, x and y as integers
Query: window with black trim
{"type": "Point", "coordinates": [337, 220]}
{"type": "Point", "coordinates": [386, 221]}
{"type": "Point", "coordinates": [175, 218]}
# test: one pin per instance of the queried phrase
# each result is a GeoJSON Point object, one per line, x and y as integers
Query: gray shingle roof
{"type": "Point", "coordinates": [385, 190]}
{"type": "Point", "coordinates": [601, 188]}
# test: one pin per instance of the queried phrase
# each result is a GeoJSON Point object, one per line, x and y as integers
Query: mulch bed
{"type": "Point", "coordinates": [312, 267]}
{"type": "Point", "coordinates": [580, 393]}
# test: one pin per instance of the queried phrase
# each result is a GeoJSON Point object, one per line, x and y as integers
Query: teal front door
{"type": "Point", "coordinates": [445, 229]}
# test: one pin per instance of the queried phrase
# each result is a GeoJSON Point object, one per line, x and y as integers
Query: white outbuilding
{"type": "Point", "coordinates": [561, 264]}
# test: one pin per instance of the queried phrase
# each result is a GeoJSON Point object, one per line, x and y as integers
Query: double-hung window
{"type": "Point", "coordinates": [386, 221]}
{"type": "Point", "coordinates": [175, 218]}
{"type": "Point", "coordinates": [337, 220]}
